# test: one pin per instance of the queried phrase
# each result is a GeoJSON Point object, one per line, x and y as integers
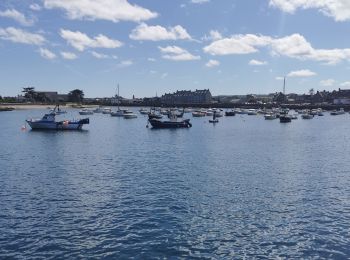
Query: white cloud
{"type": "Point", "coordinates": [17, 16]}
{"type": "Point", "coordinates": [293, 46]}
{"type": "Point", "coordinates": [81, 41]}
{"type": "Point", "coordinates": [45, 53]}
{"type": "Point", "coordinates": [177, 54]}
{"type": "Point", "coordinates": [327, 83]}
{"type": "Point", "coordinates": [237, 44]}
{"type": "Point", "coordinates": [339, 10]}
{"type": "Point", "coordinates": [151, 59]}
{"type": "Point", "coordinates": [301, 73]}
{"type": "Point", "coordinates": [68, 55]}
{"type": "Point", "coordinates": [257, 62]}
{"type": "Point", "coordinates": [212, 63]}
{"type": "Point", "coordinates": [99, 55]}
{"type": "Point", "coordinates": [279, 78]}
{"type": "Point", "coordinates": [21, 36]}
{"type": "Point", "coordinates": [125, 63]}
{"type": "Point", "coordinates": [158, 33]}
{"type": "Point", "coordinates": [213, 36]}
{"type": "Point", "coordinates": [345, 84]}
{"type": "Point", "coordinates": [35, 7]}
{"type": "Point", "coordinates": [111, 10]}
{"type": "Point", "coordinates": [199, 1]}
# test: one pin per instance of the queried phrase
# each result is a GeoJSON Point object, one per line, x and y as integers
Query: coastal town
{"type": "Point", "coordinates": [186, 98]}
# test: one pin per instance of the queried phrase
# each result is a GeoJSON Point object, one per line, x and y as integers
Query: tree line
{"type": "Point", "coordinates": [30, 94]}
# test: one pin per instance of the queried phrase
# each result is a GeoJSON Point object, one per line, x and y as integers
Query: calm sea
{"type": "Point", "coordinates": [243, 188]}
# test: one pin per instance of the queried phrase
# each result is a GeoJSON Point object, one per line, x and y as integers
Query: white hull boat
{"type": "Point", "coordinates": [86, 112]}
{"type": "Point", "coordinates": [48, 122]}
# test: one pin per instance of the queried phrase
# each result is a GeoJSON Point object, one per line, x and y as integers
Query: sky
{"type": "Point", "coordinates": [152, 47]}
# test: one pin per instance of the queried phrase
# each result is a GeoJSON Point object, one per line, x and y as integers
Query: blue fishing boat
{"type": "Point", "coordinates": [48, 122]}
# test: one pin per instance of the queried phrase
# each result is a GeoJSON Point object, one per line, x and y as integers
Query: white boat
{"type": "Point", "coordinates": [198, 114]}
{"type": "Point", "coordinates": [218, 112]}
{"type": "Point", "coordinates": [188, 110]}
{"type": "Point", "coordinates": [252, 112]}
{"type": "Point", "coordinates": [294, 116]}
{"type": "Point", "coordinates": [86, 111]}
{"type": "Point", "coordinates": [48, 122]}
{"type": "Point", "coordinates": [307, 116]}
{"type": "Point", "coordinates": [129, 115]}
{"type": "Point", "coordinates": [270, 116]}
{"type": "Point", "coordinates": [119, 112]}
{"type": "Point", "coordinates": [106, 110]}
{"type": "Point", "coordinates": [143, 111]}
{"type": "Point", "coordinates": [209, 112]}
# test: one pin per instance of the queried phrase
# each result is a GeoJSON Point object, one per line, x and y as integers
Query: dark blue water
{"type": "Point", "coordinates": [244, 188]}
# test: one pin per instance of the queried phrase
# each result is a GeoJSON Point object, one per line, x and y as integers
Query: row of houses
{"type": "Point", "coordinates": [187, 97]}
{"type": "Point", "coordinates": [338, 97]}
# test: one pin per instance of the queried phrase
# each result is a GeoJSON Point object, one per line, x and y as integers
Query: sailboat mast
{"type": "Point", "coordinates": [118, 97]}
{"type": "Point", "coordinates": [284, 86]}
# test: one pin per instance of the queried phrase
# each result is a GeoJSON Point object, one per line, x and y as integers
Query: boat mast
{"type": "Point", "coordinates": [284, 85]}
{"type": "Point", "coordinates": [118, 98]}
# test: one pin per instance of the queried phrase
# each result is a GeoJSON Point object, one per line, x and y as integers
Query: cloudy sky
{"type": "Point", "coordinates": [159, 46]}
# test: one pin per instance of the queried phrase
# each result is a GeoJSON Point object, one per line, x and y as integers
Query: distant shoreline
{"type": "Point", "coordinates": [21, 106]}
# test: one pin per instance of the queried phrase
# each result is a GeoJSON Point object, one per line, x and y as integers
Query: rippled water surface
{"type": "Point", "coordinates": [245, 187]}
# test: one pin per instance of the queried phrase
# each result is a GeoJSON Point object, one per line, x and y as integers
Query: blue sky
{"type": "Point", "coordinates": [157, 46]}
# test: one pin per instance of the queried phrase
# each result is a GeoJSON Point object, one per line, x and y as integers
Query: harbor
{"type": "Point", "coordinates": [245, 185]}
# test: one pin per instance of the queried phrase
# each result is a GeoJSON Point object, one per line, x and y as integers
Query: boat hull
{"type": "Point", "coordinates": [61, 125]}
{"type": "Point", "coordinates": [285, 119]}
{"type": "Point", "coordinates": [170, 124]}
{"type": "Point", "coordinates": [230, 113]}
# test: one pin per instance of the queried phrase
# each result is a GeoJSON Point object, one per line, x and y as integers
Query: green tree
{"type": "Point", "coordinates": [76, 95]}
{"type": "Point", "coordinates": [29, 93]}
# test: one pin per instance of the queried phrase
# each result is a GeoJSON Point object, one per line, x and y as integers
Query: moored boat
{"type": "Point", "coordinates": [230, 113]}
{"type": "Point", "coordinates": [86, 111]}
{"type": "Point", "coordinates": [307, 116]}
{"type": "Point", "coordinates": [270, 116]}
{"type": "Point", "coordinates": [106, 110]}
{"type": "Point", "coordinates": [285, 119]}
{"type": "Point", "coordinates": [48, 122]}
{"type": "Point", "coordinates": [129, 115]}
{"type": "Point", "coordinates": [338, 112]}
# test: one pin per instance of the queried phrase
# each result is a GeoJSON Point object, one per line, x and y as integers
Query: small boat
{"type": "Point", "coordinates": [214, 120]}
{"type": "Point", "coordinates": [270, 116]}
{"type": "Point", "coordinates": [119, 112]}
{"type": "Point", "coordinates": [129, 115]}
{"type": "Point", "coordinates": [86, 112]}
{"type": "Point", "coordinates": [252, 112]}
{"type": "Point", "coordinates": [152, 115]}
{"type": "Point", "coordinates": [338, 112]}
{"type": "Point", "coordinates": [106, 110]}
{"type": "Point", "coordinates": [307, 116]}
{"type": "Point", "coordinates": [58, 111]}
{"type": "Point", "coordinates": [285, 119]}
{"type": "Point", "coordinates": [294, 116]}
{"type": "Point", "coordinates": [198, 114]}
{"type": "Point", "coordinates": [143, 111]}
{"type": "Point", "coordinates": [230, 113]}
{"type": "Point", "coordinates": [172, 123]}
{"type": "Point", "coordinates": [48, 122]}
